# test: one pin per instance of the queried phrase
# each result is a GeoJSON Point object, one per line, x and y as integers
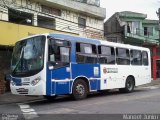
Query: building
{"type": "Point", "coordinates": [158, 14]}
{"type": "Point", "coordinates": [133, 28]}
{"type": "Point", "coordinates": [21, 18]}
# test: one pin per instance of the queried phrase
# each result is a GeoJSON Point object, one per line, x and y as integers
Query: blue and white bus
{"type": "Point", "coordinates": [56, 64]}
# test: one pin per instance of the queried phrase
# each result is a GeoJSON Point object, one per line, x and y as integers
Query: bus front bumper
{"type": "Point", "coordinates": [28, 90]}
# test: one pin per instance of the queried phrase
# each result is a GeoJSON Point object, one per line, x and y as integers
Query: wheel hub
{"type": "Point", "coordinates": [129, 85]}
{"type": "Point", "coordinates": [80, 89]}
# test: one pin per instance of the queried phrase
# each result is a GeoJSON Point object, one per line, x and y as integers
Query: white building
{"type": "Point", "coordinates": [83, 17]}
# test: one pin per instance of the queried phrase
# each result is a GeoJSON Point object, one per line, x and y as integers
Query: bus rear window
{"type": "Point", "coordinates": [136, 57]}
{"type": "Point", "coordinates": [145, 58]}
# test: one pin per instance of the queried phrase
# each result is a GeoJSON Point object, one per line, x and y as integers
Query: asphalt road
{"type": "Point", "coordinates": [143, 103]}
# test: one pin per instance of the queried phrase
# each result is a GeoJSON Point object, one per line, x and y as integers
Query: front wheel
{"type": "Point", "coordinates": [129, 86]}
{"type": "Point", "coordinates": [80, 89]}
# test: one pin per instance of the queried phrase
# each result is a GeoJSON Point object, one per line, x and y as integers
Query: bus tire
{"type": "Point", "coordinates": [79, 90]}
{"type": "Point", "coordinates": [129, 86]}
{"type": "Point", "coordinates": [50, 98]}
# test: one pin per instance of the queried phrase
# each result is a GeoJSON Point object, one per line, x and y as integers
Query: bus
{"type": "Point", "coordinates": [59, 64]}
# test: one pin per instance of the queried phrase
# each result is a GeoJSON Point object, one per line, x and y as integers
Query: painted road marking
{"type": "Point", "coordinates": [28, 112]}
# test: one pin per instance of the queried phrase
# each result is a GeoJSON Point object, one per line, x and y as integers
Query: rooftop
{"type": "Point", "coordinates": [147, 21]}
{"type": "Point", "coordinates": [130, 14]}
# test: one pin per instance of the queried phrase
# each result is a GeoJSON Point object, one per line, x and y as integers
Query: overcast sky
{"type": "Point", "coordinates": [148, 7]}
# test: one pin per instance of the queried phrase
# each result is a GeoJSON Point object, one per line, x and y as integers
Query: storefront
{"type": "Point", "coordinates": [156, 62]}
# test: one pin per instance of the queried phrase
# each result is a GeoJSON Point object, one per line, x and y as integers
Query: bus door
{"type": "Point", "coordinates": [58, 75]}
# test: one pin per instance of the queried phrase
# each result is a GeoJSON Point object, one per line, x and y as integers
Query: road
{"type": "Point", "coordinates": [143, 103]}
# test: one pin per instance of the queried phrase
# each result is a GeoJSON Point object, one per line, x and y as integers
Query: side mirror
{"type": "Point", "coordinates": [50, 66]}
{"type": "Point", "coordinates": [7, 77]}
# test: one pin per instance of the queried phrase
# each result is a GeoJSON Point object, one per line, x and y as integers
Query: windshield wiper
{"type": "Point", "coordinates": [17, 64]}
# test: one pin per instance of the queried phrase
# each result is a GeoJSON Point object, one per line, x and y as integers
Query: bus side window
{"type": "Point", "coordinates": [136, 57]}
{"type": "Point", "coordinates": [145, 58]}
{"type": "Point", "coordinates": [54, 51]}
{"type": "Point", "coordinates": [59, 52]}
{"type": "Point", "coordinates": [122, 56]}
{"type": "Point", "coordinates": [86, 53]}
{"type": "Point", "coordinates": [106, 55]}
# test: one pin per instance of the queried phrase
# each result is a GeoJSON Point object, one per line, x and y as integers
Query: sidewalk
{"type": "Point", "coordinates": [9, 98]}
{"type": "Point", "coordinates": [153, 83]}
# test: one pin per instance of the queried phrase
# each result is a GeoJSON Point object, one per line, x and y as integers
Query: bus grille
{"type": "Point", "coordinates": [22, 91]}
{"type": "Point", "coordinates": [26, 83]}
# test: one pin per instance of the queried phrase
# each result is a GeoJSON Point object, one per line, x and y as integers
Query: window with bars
{"type": "Point", "coordinates": [20, 17]}
{"type": "Point", "coordinates": [46, 22]}
{"type": "Point", "coordinates": [81, 22]}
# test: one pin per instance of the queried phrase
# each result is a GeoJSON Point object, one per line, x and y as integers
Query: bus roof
{"type": "Point", "coordinates": [96, 41]}
{"type": "Point", "coordinates": [75, 38]}
{"type": "Point", "coordinates": [89, 40]}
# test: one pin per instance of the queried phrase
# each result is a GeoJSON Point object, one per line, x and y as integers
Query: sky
{"type": "Point", "coordinates": [148, 7]}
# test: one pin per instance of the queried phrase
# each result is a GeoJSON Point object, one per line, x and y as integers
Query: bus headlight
{"type": "Point", "coordinates": [35, 81]}
{"type": "Point", "coordinates": [13, 83]}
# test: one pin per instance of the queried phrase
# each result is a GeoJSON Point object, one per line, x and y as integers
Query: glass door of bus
{"type": "Point", "coordinates": [59, 66]}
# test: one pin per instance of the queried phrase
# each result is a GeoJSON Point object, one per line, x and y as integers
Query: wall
{"type": "Point", "coordinates": [66, 21]}
{"type": "Point", "coordinates": [5, 57]}
{"type": "Point", "coordinates": [11, 32]}
{"type": "Point", "coordinates": [113, 30]}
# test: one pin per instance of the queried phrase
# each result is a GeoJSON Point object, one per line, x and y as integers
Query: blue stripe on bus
{"type": "Point", "coordinates": [77, 69]}
{"type": "Point", "coordinates": [87, 71]}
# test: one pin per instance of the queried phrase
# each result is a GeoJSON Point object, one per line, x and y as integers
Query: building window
{"type": "Point", "coordinates": [133, 27]}
{"type": "Point", "coordinates": [158, 52]}
{"type": "Point", "coordinates": [128, 28]}
{"type": "Point", "coordinates": [86, 53]}
{"type": "Point", "coordinates": [84, 1]}
{"type": "Point", "coordinates": [136, 27]}
{"type": "Point", "coordinates": [97, 3]}
{"type": "Point", "coordinates": [148, 31]}
{"type": "Point", "coordinates": [20, 17]}
{"type": "Point", "coordinates": [50, 10]}
{"type": "Point", "coordinates": [136, 57]}
{"type": "Point", "coordinates": [81, 22]}
{"type": "Point", "coordinates": [106, 55]}
{"type": "Point", "coordinates": [112, 39]}
{"type": "Point", "coordinates": [122, 57]}
{"type": "Point", "coordinates": [46, 22]}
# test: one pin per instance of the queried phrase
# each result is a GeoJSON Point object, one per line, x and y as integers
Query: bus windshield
{"type": "Point", "coordinates": [28, 57]}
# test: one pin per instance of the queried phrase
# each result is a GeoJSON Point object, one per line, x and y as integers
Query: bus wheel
{"type": "Point", "coordinates": [79, 90]}
{"type": "Point", "coordinates": [129, 87]}
{"type": "Point", "coordinates": [50, 98]}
